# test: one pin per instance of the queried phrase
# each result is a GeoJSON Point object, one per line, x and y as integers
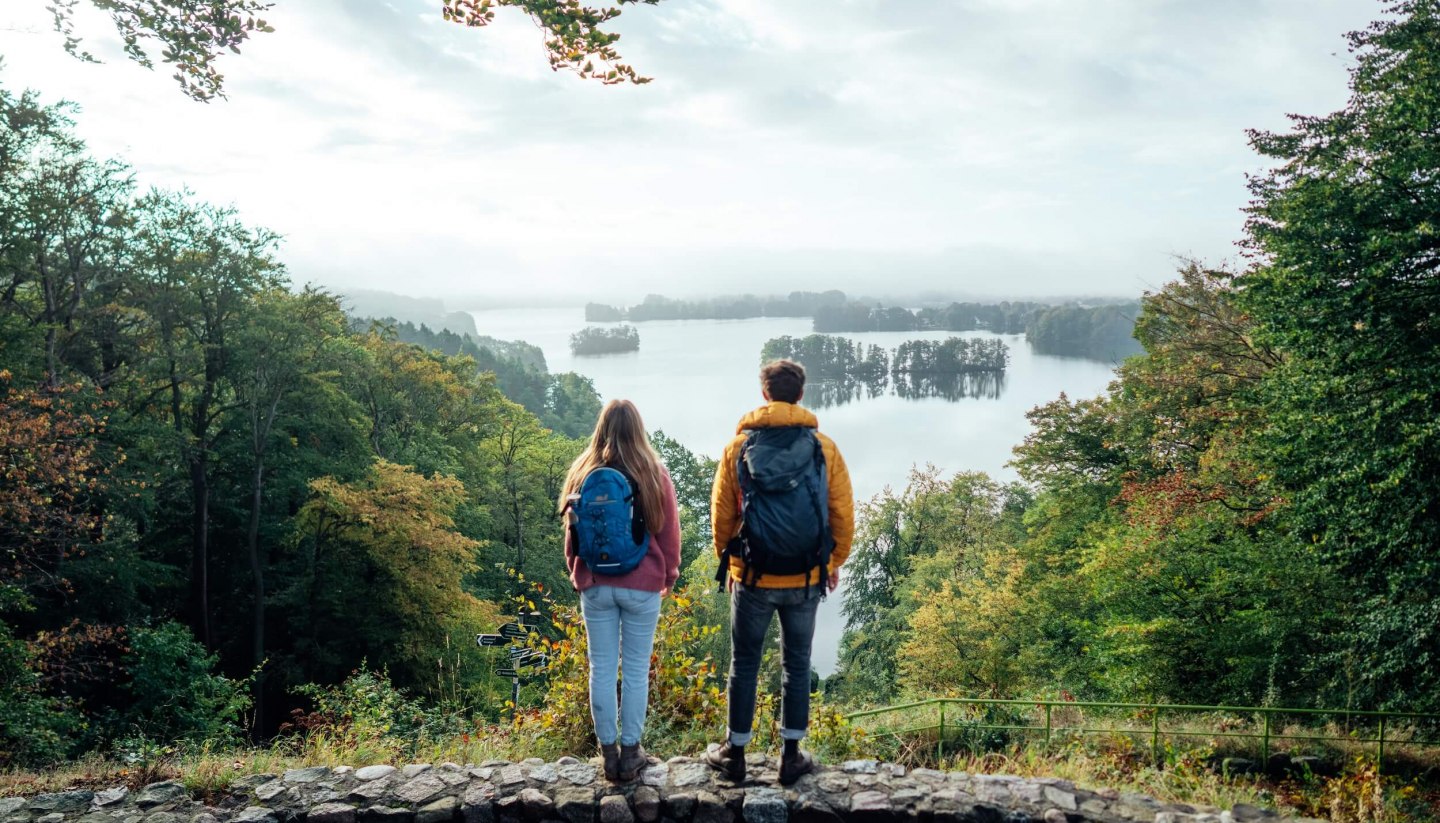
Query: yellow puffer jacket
{"type": "Point", "coordinates": [725, 497]}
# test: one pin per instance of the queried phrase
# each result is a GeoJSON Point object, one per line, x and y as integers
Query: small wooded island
{"type": "Point", "coordinates": [596, 340]}
{"type": "Point", "coordinates": [838, 358]}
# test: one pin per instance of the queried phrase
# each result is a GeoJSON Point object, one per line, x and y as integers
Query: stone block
{"type": "Point", "coordinates": [444, 810]}
{"type": "Point", "coordinates": [647, 804]}
{"type": "Point", "coordinates": [310, 775]}
{"type": "Point", "coordinates": [680, 806]}
{"type": "Point", "coordinates": [420, 790]}
{"type": "Point", "coordinates": [67, 802]}
{"type": "Point", "coordinates": [385, 814]}
{"type": "Point", "coordinates": [578, 774]}
{"type": "Point", "coordinates": [414, 770]}
{"type": "Point", "coordinates": [368, 773]}
{"type": "Point", "coordinates": [575, 804]}
{"type": "Point", "coordinates": [614, 809]}
{"type": "Point", "coordinates": [763, 805]}
{"type": "Point", "coordinates": [108, 798]}
{"type": "Point", "coordinates": [256, 814]}
{"type": "Point", "coordinates": [711, 808]}
{"type": "Point", "coordinates": [331, 813]}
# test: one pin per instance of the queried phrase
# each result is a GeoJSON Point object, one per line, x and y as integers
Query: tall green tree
{"type": "Point", "coordinates": [1346, 235]}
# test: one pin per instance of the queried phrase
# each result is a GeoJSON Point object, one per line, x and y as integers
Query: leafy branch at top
{"type": "Point", "coordinates": [572, 33]}
{"type": "Point", "coordinates": [192, 34]}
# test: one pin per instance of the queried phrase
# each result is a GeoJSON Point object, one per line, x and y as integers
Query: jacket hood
{"type": "Point", "coordinates": [777, 415]}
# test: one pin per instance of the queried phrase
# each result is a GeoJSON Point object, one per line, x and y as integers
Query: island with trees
{"type": "Point", "coordinates": [597, 340]}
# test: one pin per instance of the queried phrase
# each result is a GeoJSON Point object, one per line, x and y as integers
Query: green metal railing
{"type": "Point", "coordinates": [1267, 732]}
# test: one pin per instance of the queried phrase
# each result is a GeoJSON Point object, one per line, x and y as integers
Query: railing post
{"type": "Point", "coordinates": [1265, 743]}
{"type": "Point", "coordinates": [1380, 757]}
{"type": "Point", "coordinates": [1047, 724]}
{"type": "Point", "coordinates": [940, 740]}
{"type": "Point", "coordinates": [1155, 736]}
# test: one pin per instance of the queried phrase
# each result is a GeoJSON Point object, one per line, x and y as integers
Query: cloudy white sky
{"type": "Point", "coordinates": [886, 147]}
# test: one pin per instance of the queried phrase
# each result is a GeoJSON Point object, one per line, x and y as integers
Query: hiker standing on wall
{"type": "Point", "coordinates": [783, 519]}
{"type": "Point", "coordinates": [622, 546]}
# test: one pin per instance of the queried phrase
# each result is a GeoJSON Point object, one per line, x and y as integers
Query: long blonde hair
{"type": "Point", "coordinates": [619, 442]}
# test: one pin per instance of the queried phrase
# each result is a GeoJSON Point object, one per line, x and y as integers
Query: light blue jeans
{"type": "Point", "coordinates": [620, 631]}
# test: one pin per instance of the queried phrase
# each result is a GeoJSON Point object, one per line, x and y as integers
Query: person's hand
{"type": "Point", "coordinates": [665, 592]}
{"type": "Point", "coordinates": [834, 580]}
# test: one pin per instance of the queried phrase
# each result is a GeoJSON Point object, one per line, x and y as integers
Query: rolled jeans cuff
{"type": "Point", "coordinates": [792, 734]}
{"type": "Point", "coordinates": [740, 738]}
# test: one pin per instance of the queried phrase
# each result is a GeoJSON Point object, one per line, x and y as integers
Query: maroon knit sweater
{"type": "Point", "coordinates": [661, 566]}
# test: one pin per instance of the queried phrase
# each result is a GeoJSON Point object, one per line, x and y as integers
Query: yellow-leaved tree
{"type": "Point", "coordinates": [964, 636]}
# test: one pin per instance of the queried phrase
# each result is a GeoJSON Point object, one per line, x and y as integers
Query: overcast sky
{"type": "Point", "coordinates": [974, 147]}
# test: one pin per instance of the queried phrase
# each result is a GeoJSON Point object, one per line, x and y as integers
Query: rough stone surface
{"type": "Point", "coordinates": [102, 800]}
{"type": "Point", "coordinates": [614, 809]}
{"type": "Point", "coordinates": [647, 804]}
{"type": "Point", "coordinates": [331, 813]}
{"type": "Point", "coordinates": [765, 806]}
{"type": "Point", "coordinates": [256, 814]}
{"type": "Point", "coordinates": [682, 790]}
{"type": "Point", "coordinates": [440, 811]}
{"type": "Point", "coordinates": [157, 794]}
{"type": "Point", "coordinates": [422, 789]}
{"type": "Point", "coordinates": [309, 775]}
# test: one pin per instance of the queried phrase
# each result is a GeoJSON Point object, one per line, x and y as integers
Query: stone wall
{"type": "Point", "coordinates": [682, 790]}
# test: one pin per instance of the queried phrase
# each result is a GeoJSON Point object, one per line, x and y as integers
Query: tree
{"type": "Point", "coordinates": [194, 34]}
{"type": "Point", "coordinates": [199, 266]}
{"type": "Point", "coordinates": [283, 343]}
{"type": "Point", "coordinates": [1346, 283]}
{"type": "Point", "coordinates": [394, 563]}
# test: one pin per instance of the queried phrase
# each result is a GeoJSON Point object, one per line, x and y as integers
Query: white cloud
{"type": "Point", "coordinates": [865, 144]}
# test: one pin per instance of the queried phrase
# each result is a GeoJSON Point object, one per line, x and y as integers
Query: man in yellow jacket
{"type": "Point", "coordinates": [784, 517]}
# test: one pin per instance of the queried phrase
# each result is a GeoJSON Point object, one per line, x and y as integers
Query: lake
{"type": "Point", "coordinates": [693, 379]}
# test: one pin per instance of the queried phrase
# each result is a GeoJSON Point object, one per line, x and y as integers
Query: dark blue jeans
{"type": "Point", "coordinates": [750, 612]}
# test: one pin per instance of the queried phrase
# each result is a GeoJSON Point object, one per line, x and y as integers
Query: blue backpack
{"type": "Point", "coordinates": [607, 528]}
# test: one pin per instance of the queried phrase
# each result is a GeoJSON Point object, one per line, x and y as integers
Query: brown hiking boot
{"type": "Point", "coordinates": [610, 753]}
{"type": "Point", "coordinates": [633, 761]}
{"type": "Point", "coordinates": [727, 760]}
{"type": "Point", "coordinates": [794, 767]}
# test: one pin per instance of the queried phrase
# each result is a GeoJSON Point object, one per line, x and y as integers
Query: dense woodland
{"type": "Point", "coordinates": [221, 498]}
{"type": "Point", "coordinates": [219, 489]}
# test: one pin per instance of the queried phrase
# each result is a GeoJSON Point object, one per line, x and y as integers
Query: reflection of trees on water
{"type": "Point", "coordinates": [981, 385]}
{"type": "Point", "coordinates": [824, 394]}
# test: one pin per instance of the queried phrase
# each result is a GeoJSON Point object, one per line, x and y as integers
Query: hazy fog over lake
{"type": "Point", "coordinates": [1016, 148]}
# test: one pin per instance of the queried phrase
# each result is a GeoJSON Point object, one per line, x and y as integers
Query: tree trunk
{"type": "Point", "coordinates": [200, 547]}
{"type": "Point", "coordinates": [257, 573]}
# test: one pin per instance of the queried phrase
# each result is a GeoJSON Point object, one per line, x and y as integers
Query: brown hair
{"type": "Point", "coordinates": [619, 442]}
{"type": "Point", "coordinates": [783, 380]}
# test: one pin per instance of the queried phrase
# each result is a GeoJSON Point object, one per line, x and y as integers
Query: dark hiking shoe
{"type": "Point", "coordinates": [610, 753]}
{"type": "Point", "coordinates": [727, 760]}
{"type": "Point", "coordinates": [633, 761]}
{"type": "Point", "coordinates": [793, 767]}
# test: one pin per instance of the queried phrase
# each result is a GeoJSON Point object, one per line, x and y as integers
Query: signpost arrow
{"type": "Point", "coordinates": [507, 672]}
{"type": "Point", "coordinates": [514, 630]}
{"type": "Point", "coordinates": [531, 660]}
{"type": "Point", "coordinates": [520, 651]}
{"type": "Point", "coordinates": [486, 640]}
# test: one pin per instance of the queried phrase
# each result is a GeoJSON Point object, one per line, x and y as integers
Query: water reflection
{"type": "Point", "coordinates": [980, 385]}
{"type": "Point", "coordinates": [829, 393]}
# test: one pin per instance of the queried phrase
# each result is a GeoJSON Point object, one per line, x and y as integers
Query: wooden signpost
{"type": "Point", "coordinates": [520, 656]}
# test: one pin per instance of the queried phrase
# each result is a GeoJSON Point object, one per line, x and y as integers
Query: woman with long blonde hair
{"type": "Point", "coordinates": [621, 610]}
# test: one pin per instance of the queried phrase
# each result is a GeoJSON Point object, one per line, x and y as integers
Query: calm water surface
{"type": "Point", "coordinates": [693, 379]}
